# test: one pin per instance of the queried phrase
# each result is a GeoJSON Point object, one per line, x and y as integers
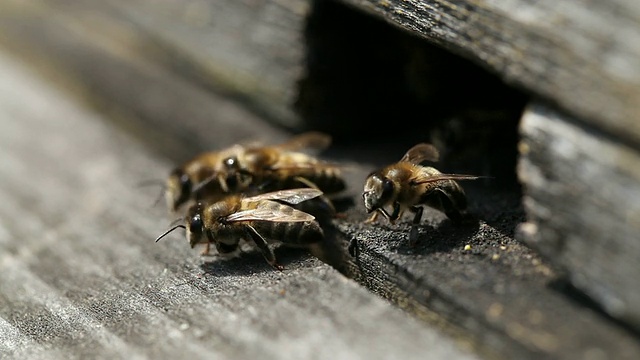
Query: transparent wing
{"type": "Point", "coordinates": [439, 177]}
{"type": "Point", "coordinates": [306, 166]}
{"type": "Point", "coordinates": [269, 213]}
{"type": "Point", "coordinates": [421, 152]}
{"type": "Point", "coordinates": [309, 140]}
{"type": "Point", "coordinates": [291, 196]}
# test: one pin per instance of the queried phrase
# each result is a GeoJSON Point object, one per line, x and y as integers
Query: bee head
{"type": "Point", "coordinates": [237, 177]}
{"type": "Point", "coordinates": [195, 225]}
{"type": "Point", "coordinates": [378, 191]}
{"type": "Point", "coordinates": [178, 189]}
{"type": "Point", "coordinates": [231, 163]}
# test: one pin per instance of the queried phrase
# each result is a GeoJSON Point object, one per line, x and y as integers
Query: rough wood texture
{"type": "Point", "coordinates": [505, 302]}
{"type": "Point", "coordinates": [498, 291]}
{"type": "Point", "coordinates": [579, 166]}
{"type": "Point", "coordinates": [583, 202]}
{"type": "Point", "coordinates": [583, 55]}
{"type": "Point", "coordinates": [82, 277]}
{"type": "Point", "coordinates": [249, 50]}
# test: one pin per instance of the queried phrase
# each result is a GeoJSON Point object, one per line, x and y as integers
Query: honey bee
{"type": "Point", "coordinates": [262, 219]}
{"type": "Point", "coordinates": [194, 177]}
{"type": "Point", "coordinates": [282, 166]}
{"type": "Point", "coordinates": [255, 169]}
{"type": "Point", "coordinates": [409, 185]}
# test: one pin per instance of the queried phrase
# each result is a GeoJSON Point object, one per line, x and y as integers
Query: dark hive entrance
{"type": "Point", "coordinates": [369, 82]}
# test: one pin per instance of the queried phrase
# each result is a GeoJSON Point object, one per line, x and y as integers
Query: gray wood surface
{"type": "Point", "coordinates": [583, 202]}
{"type": "Point", "coordinates": [80, 232]}
{"type": "Point", "coordinates": [83, 278]}
{"type": "Point", "coordinates": [583, 55]}
{"type": "Point", "coordinates": [490, 286]}
{"type": "Point", "coordinates": [250, 50]}
{"type": "Point", "coordinates": [582, 59]}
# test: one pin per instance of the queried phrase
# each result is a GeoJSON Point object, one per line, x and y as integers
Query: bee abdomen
{"type": "Point", "coordinates": [449, 198]}
{"type": "Point", "coordinates": [295, 232]}
{"type": "Point", "coordinates": [328, 180]}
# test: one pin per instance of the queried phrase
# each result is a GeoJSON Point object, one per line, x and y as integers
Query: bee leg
{"type": "Point", "coordinates": [413, 234]}
{"type": "Point", "coordinates": [395, 214]}
{"type": "Point", "coordinates": [205, 252]}
{"type": "Point", "coordinates": [372, 218]}
{"type": "Point", "coordinates": [262, 244]}
{"type": "Point", "coordinates": [390, 217]}
{"type": "Point", "coordinates": [223, 183]}
{"type": "Point", "coordinates": [227, 251]}
{"type": "Point", "coordinates": [244, 179]}
{"type": "Point", "coordinates": [265, 186]}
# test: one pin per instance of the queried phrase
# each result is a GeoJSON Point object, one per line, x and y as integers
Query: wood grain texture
{"type": "Point", "coordinates": [583, 55]}
{"type": "Point", "coordinates": [250, 50]}
{"type": "Point", "coordinates": [583, 202]}
{"type": "Point", "coordinates": [82, 277]}
{"type": "Point", "coordinates": [80, 228]}
{"type": "Point", "coordinates": [490, 285]}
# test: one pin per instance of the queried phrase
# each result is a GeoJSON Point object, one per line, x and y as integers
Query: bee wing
{"type": "Point", "coordinates": [217, 155]}
{"type": "Point", "coordinates": [309, 140]}
{"type": "Point", "coordinates": [265, 213]}
{"type": "Point", "coordinates": [421, 152]}
{"type": "Point", "coordinates": [439, 177]}
{"type": "Point", "coordinates": [291, 196]}
{"type": "Point", "coordinates": [250, 144]}
{"type": "Point", "coordinates": [305, 166]}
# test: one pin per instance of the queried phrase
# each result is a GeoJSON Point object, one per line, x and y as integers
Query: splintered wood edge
{"type": "Point", "coordinates": [583, 202]}
{"type": "Point", "coordinates": [518, 41]}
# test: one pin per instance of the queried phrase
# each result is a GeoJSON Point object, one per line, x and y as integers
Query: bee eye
{"type": "Point", "coordinates": [195, 225]}
{"type": "Point", "coordinates": [387, 187]}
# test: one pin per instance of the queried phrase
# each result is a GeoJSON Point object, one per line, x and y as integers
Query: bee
{"type": "Point", "coordinates": [255, 169]}
{"type": "Point", "coordinates": [283, 166]}
{"type": "Point", "coordinates": [409, 185]}
{"type": "Point", "coordinates": [261, 219]}
{"type": "Point", "coordinates": [194, 178]}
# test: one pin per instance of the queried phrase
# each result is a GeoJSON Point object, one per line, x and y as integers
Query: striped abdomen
{"type": "Point", "coordinates": [289, 232]}
{"type": "Point", "coordinates": [327, 179]}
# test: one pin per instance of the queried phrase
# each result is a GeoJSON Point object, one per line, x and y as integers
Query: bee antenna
{"type": "Point", "coordinates": [203, 183]}
{"type": "Point", "coordinates": [154, 182]}
{"type": "Point", "coordinates": [160, 196]}
{"type": "Point", "coordinates": [151, 182]}
{"type": "Point", "coordinates": [170, 230]}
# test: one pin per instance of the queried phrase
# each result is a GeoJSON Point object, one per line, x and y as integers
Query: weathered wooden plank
{"type": "Point", "coordinates": [267, 61]}
{"type": "Point", "coordinates": [256, 53]}
{"type": "Point", "coordinates": [582, 55]}
{"type": "Point", "coordinates": [250, 50]}
{"type": "Point", "coordinates": [583, 205]}
{"type": "Point", "coordinates": [176, 122]}
{"type": "Point", "coordinates": [82, 277]}
{"type": "Point", "coordinates": [497, 290]}
{"type": "Point", "coordinates": [253, 50]}
{"type": "Point", "coordinates": [167, 112]}
{"type": "Point", "coordinates": [578, 62]}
